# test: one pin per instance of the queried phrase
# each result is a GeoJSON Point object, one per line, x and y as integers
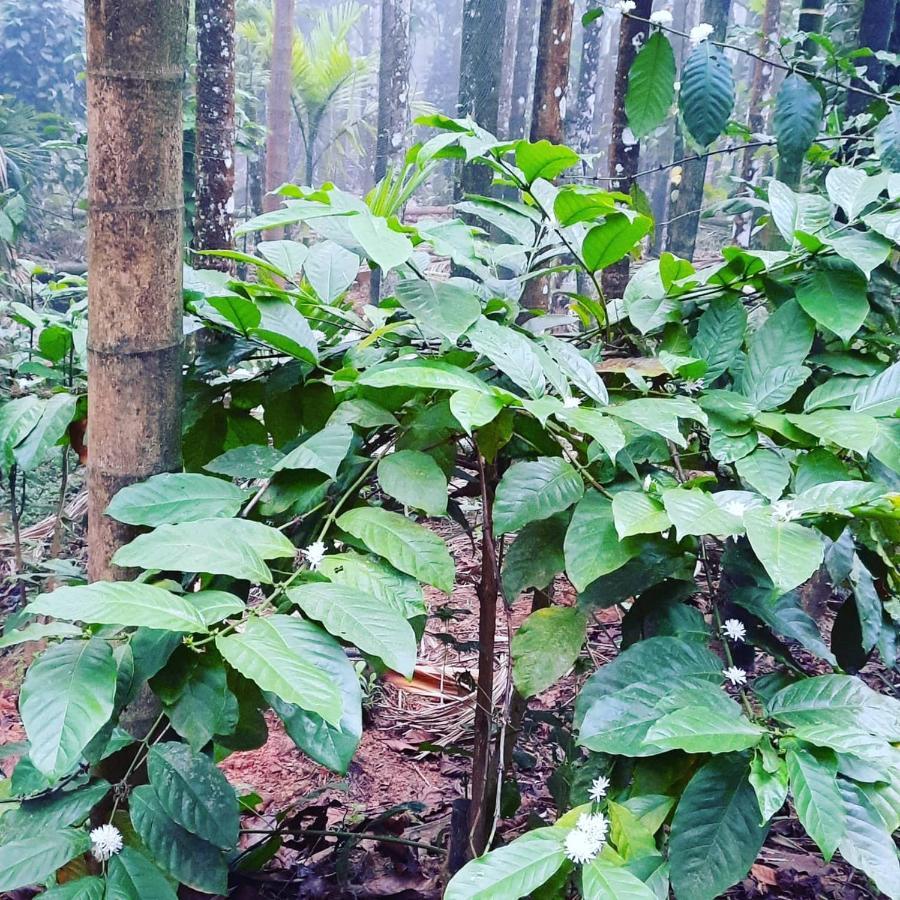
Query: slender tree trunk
{"type": "Point", "coordinates": [278, 105]}
{"type": "Point", "coordinates": [481, 61]}
{"type": "Point", "coordinates": [684, 212]}
{"type": "Point", "coordinates": [892, 77]}
{"type": "Point", "coordinates": [624, 150]}
{"type": "Point", "coordinates": [214, 217]}
{"type": "Point", "coordinates": [812, 21]}
{"type": "Point", "coordinates": [551, 74]}
{"type": "Point", "coordinates": [523, 70]}
{"type": "Point", "coordinates": [580, 125]}
{"type": "Point", "coordinates": [513, 9]}
{"type": "Point", "coordinates": [874, 33]}
{"type": "Point", "coordinates": [135, 75]}
{"type": "Point", "coordinates": [393, 84]}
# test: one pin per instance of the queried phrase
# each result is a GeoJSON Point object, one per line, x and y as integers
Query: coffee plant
{"type": "Point", "coordinates": [706, 453]}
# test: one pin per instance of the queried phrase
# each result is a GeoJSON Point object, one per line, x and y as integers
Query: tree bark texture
{"type": "Point", "coordinates": [624, 153]}
{"type": "Point", "coordinates": [684, 211]}
{"type": "Point", "coordinates": [481, 62]}
{"type": "Point", "coordinates": [551, 74]}
{"type": "Point", "coordinates": [278, 106]}
{"type": "Point", "coordinates": [135, 75]}
{"type": "Point", "coordinates": [507, 64]}
{"type": "Point", "coordinates": [523, 70]}
{"type": "Point", "coordinates": [214, 217]}
{"type": "Point", "coordinates": [892, 76]}
{"type": "Point", "coordinates": [580, 124]}
{"type": "Point", "coordinates": [393, 84]}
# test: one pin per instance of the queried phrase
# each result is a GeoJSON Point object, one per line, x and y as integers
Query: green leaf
{"type": "Point", "coordinates": [789, 552]}
{"type": "Point", "coordinates": [441, 306]}
{"type": "Point", "coordinates": [793, 212]}
{"type": "Point", "coordinates": [866, 843]}
{"type": "Point", "coordinates": [660, 416]}
{"type": "Point", "coordinates": [49, 431]}
{"type": "Point", "coordinates": [414, 479]}
{"type": "Point", "coordinates": [38, 631]}
{"type": "Point", "coordinates": [614, 239]}
{"type": "Point", "coordinates": [194, 793]}
{"type": "Point", "coordinates": [121, 603]}
{"type": "Point", "coordinates": [816, 797]}
{"type": "Point", "coordinates": [716, 833]}
{"type": "Point", "coordinates": [798, 114]}
{"type": "Point", "coordinates": [887, 140]}
{"type": "Point", "coordinates": [886, 224]}
{"type": "Point", "coordinates": [530, 491]}
{"type": "Point", "coordinates": [235, 547]}
{"type": "Point", "coordinates": [287, 256]}
{"type": "Point", "coordinates": [473, 409]}
{"type": "Point", "coordinates": [602, 881]}
{"type": "Point", "coordinates": [404, 544]}
{"type": "Point", "coordinates": [634, 512]}
{"type": "Point", "coordinates": [502, 215]}
{"type": "Point", "coordinates": [510, 352]}
{"type": "Point", "coordinates": [854, 431]}
{"type": "Point", "coordinates": [285, 329]}
{"type": "Point", "coordinates": [591, 422]}
{"type": "Point", "coordinates": [17, 418]}
{"type": "Point", "coordinates": [172, 498]}
{"type": "Point", "coordinates": [544, 160]}
{"type": "Point", "coordinates": [55, 342]}
{"type": "Point", "coordinates": [706, 97]}
{"type": "Point", "coordinates": [66, 698]}
{"type": "Point", "coordinates": [131, 876]}
{"type": "Point", "coordinates": [323, 451]}
{"type": "Point", "coordinates": [693, 511]}
{"type": "Point", "coordinates": [186, 857]}
{"type": "Point", "coordinates": [852, 189]}
{"type": "Point", "coordinates": [88, 888]}
{"type": "Point", "coordinates": [720, 334]}
{"type": "Point", "coordinates": [581, 372]}
{"type": "Point", "coordinates": [387, 248]}
{"type": "Point", "coordinates": [771, 787]}
{"type": "Point", "coordinates": [51, 811]}
{"type": "Point", "coordinates": [216, 606]}
{"type": "Point", "coordinates": [423, 373]}
{"type": "Point", "coordinates": [834, 294]}
{"type": "Point", "coordinates": [651, 86]}
{"type": "Point", "coordinates": [271, 652]}
{"type": "Point", "coordinates": [330, 270]}
{"type": "Point", "coordinates": [512, 871]}
{"type": "Point", "coordinates": [864, 249]}
{"type": "Point", "coordinates": [698, 729]}
{"type": "Point", "coordinates": [880, 395]}
{"type": "Point", "coordinates": [534, 558]}
{"type": "Point", "coordinates": [361, 619]}
{"type": "Point", "coordinates": [32, 860]}
{"type": "Point", "coordinates": [545, 647]}
{"type": "Point", "coordinates": [766, 472]}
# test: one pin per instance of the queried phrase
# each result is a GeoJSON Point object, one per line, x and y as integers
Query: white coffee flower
{"type": "Point", "coordinates": [748, 289]}
{"type": "Point", "coordinates": [106, 841]}
{"type": "Point", "coordinates": [735, 675]}
{"type": "Point", "coordinates": [593, 824]}
{"type": "Point", "coordinates": [599, 787]}
{"type": "Point", "coordinates": [784, 511]}
{"type": "Point", "coordinates": [648, 480]}
{"type": "Point", "coordinates": [582, 847]}
{"type": "Point", "coordinates": [735, 508]}
{"type": "Point", "coordinates": [314, 554]}
{"type": "Point", "coordinates": [625, 6]}
{"type": "Point", "coordinates": [734, 629]}
{"type": "Point", "coordinates": [572, 402]}
{"type": "Point", "coordinates": [692, 386]}
{"type": "Point", "coordinates": [661, 17]}
{"type": "Point", "coordinates": [701, 32]}
{"type": "Point", "coordinates": [319, 335]}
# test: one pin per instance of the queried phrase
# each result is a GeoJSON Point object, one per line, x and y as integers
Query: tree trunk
{"type": "Point", "coordinates": [214, 216]}
{"type": "Point", "coordinates": [624, 154]}
{"type": "Point", "coordinates": [278, 106]}
{"type": "Point", "coordinates": [393, 84]}
{"type": "Point", "coordinates": [135, 77]}
{"type": "Point", "coordinates": [513, 10]}
{"type": "Point", "coordinates": [481, 61]}
{"type": "Point", "coordinates": [580, 126]}
{"type": "Point", "coordinates": [892, 78]}
{"type": "Point", "coordinates": [551, 74]}
{"type": "Point", "coordinates": [874, 33]}
{"type": "Point", "coordinates": [523, 70]}
{"type": "Point", "coordinates": [684, 212]}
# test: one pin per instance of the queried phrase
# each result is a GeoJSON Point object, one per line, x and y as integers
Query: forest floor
{"type": "Point", "coordinates": [401, 784]}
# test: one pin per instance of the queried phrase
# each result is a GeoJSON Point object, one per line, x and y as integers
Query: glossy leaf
{"type": "Point", "coordinates": [651, 85]}
{"type": "Point", "coordinates": [33, 859]}
{"type": "Point", "coordinates": [441, 306]}
{"type": "Point", "coordinates": [414, 479]}
{"type": "Point", "coordinates": [131, 875]}
{"type": "Point", "coordinates": [834, 294]}
{"type": "Point", "coordinates": [545, 647]}
{"type": "Point", "coordinates": [789, 552]}
{"type": "Point", "coordinates": [798, 114]}
{"type": "Point", "coordinates": [706, 97]}
{"type": "Point", "coordinates": [816, 797]}
{"type": "Point", "coordinates": [323, 451]}
{"type": "Point", "coordinates": [530, 491]}
{"type": "Point", "coordinates": [172, 498]}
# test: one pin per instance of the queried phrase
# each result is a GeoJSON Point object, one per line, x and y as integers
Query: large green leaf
{"type": "Point", "coordinates": [330, 270]}
{"type": "Point", "coordinates": [387, 248]}
{"type": "Point", "coordinates": [660, 416]}
{"type": "Point", "coordinates": [285, 329]}
{"type": "Point", "coordinates": [771, 787]}
{"type": "Point", "coordinates": [415, 479]}
{"type": "Point", "coordinates": [32, 860]}
{"type": "Point", "coordinates": [323, 451]}
{"type": "Point", "coordinates": [816, 797]}
{"type": "Point", "coordinates": [614, 239]}
{"type": "Point", "coordinates": [122, 603]}
{"type": "Point", "coordinates": [834, 294]}
{"type": "Point", "coordinates": [512, 871]}
{"type": "Point", "coordinates": [765, 471]}
{"type": "Point", "coordinates": [423, 373]}
{"type": "Point", "coordinates": [49, 431]}
{"type": "Point", "coordinates": [287, 256]}
{"type": "Point", "coordinates": [854, 431]}
{"type": "Point", "coordinates": [879, 395]}
{"type": "Point", "coordinates": [407, 546]}
{"type": "Point", "coordinates": [473, 409]}
{"type": "Point", "coordinates": [270, 653]}
{"type": "Point", "coordinates": [693, 511]}
{"type": "Point", "coordinates": [172, 498]}
{"type": "Point", "coordinates": [441, 306]}
{"type": "Point", "coordinates": [502, 215]}
{"type": "Point", "coordinates": [864, 249]}
{"type": "Point", "coordinates": [530, 491]}
{"type": "Point", "coordinates": [535, 557]}
{"type": "Point", "coordinates": [544, 160]}
{"type": "Point", "coordinates": [798, 114]}
{"type": "Point", "coordinates": [194, 793]}
{"type": "Point", "coordinates": [852, 189]}
{"type": "Point", "coordinates": [651, 86]}
{"type": "Point", "coordinates": [186, 857]}
{"type": "Point", "coordinates": [602, 881]}
{"type": "Point", "coordinates": [793, 212]}
{"type": "Point", "coordinates": [720, 334]}
{"type": "Point", "coordinates": [545, 647]}
{"type": "Point", "coordinates": [38, 631]}
{"type": "Point", "coordinates": [130, 876]}
{"type": "Point", "coordinates": [235, 547]}
{"type": "Point", "coordinates": [866, 843]}
{"type": "Point", "coordinates": [66, 698]}
{"type": "Point", "coordinates": [635, 512]}
{"type": "Point", "coordinates": [706, 97]}
{"type": "Point", "coordinates": [701, 729]}
{"type": "Point", "coordinates": [887, 139]}
{"type": "Point", "coordinates": [363, 620]}
{"type": "Point", "coordinates": [91, 887]}
{"type": "Point", "coordinates": [581, 372]}
{"type": "Point", "coordinates": [789, 552]}
{"type": "Point", "coordinates": [512, 353]}
{"type": "Point", "coordinates": [716, 833]}
{"type": "Point", "coordinates": [17, 418]}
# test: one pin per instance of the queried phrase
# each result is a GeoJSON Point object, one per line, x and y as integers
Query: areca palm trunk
{"type": "Point", "coordinates": [278, 105]}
